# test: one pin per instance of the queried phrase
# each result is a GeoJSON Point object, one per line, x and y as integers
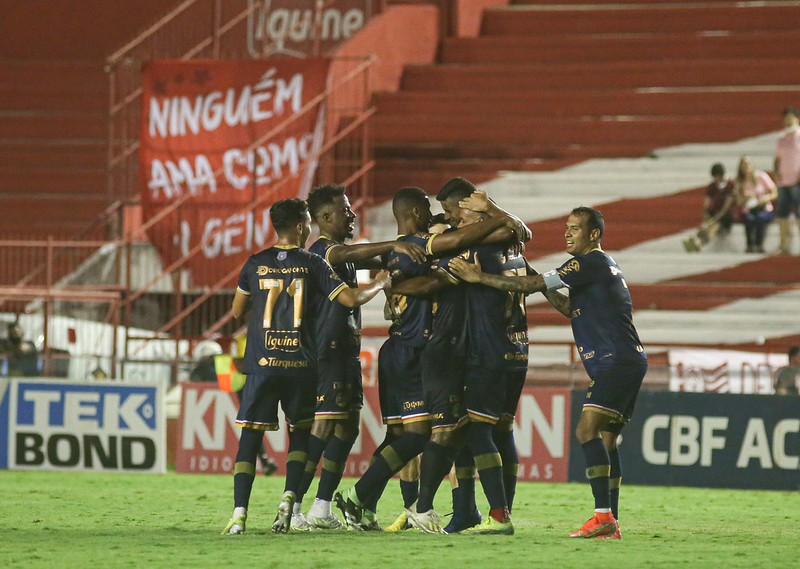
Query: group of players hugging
{"type": "Point", "coordinates": [450, 373]}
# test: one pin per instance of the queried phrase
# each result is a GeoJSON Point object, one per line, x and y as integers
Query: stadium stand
{"type": "Point", "coordinates": [623, 106]}
{"type": "Point", "coordinates": [54, 110]}
{"type": "Point", "coordinates": [546, 85]}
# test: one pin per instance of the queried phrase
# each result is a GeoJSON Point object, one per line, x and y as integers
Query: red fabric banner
{"type": "Point", "coordinates": [204, 134]}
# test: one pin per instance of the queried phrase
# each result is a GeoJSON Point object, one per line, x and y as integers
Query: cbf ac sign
{"type": "Point", "coordinates": [82, 426]}
{"type": "Point", "coordinates": [709, 439]}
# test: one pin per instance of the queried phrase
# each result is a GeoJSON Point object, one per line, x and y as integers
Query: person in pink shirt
{"type": "Point", "coordinates": [754, 192]}
{"type": "Point", "coordinates": [787, 176]}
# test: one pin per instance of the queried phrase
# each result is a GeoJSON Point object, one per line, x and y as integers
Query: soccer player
{"type": "Point", "coordinates": [399, 369]}
{"type": "Point", "coordinates": [599, 307]}
{"type": "Point", "coordinates": [286, 287]}
{"type": "Point", "coordinates": [492, 342]}
{"type": "Point", "coordinates": [340, 394]}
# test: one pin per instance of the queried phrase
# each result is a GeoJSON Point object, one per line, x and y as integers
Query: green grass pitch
{"type": "Point", "coordinates": [65, 520]}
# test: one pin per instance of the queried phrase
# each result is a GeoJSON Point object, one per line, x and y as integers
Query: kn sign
{"type": "Point", "coordinates": [207, 439]}
{"type": "Point", "coordinates": [68, 425]}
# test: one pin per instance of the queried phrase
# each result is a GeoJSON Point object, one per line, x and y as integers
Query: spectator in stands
{"type": "Point", "coordinates": [787, 176]}
{"type": "Point", "coordinates": [22, 359]}
{"type": "Point", "coordinates": [754, 192]}
{"type": "Point", "coordinates": [787, 378]}
{"type": "Point", "coordinates": [717, 210]}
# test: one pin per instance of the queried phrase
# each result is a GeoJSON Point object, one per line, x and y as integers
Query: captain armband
{"type": "Point", "coordinates": [552, 281]}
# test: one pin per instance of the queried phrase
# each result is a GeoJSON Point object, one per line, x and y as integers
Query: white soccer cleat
{"type": "Point", "coordinates": [300, 523]}
{"type": "Point", "coordinates": [283, 520]}
{"type": "Point", "coordinates": [324, 522]}
{"type": "Point", "coordinates": [426, 522]}
{"type": "Point", "coordinates": [236, 523]}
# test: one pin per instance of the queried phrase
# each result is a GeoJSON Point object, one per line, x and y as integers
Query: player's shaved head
{"type": "Point", "coordinates": [406, 199]}
{"type": "Point", "coordinates": [458, 188]}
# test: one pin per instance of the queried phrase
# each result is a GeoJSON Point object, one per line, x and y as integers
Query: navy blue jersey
{"type": "Point", "coordinates": [286, 286]}
{"type": "Point", "coordinates": [600, 309]}
{"type": "Point", "coordinates": [411, 315]}
{"type": "Point", "coordinates": [449, 311]}
{"type": "Point", "coordinates": [338, 327]}
{"type": "Point", "coordinates": [498, 329]}
{"type": "Point", "coordinates": [516, 317]}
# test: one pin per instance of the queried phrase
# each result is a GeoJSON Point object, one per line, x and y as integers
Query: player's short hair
{"type": "Point", "coordinates": [456, 187]}
{"type": "Point", "coordinates": [594, 219]}
{"type": "Point", "coordinates": [437, 220]}
{"type": "Point", "coordinates": [285, 214]}
{"type": "Point", "coordinates": [322, 196]}
{"type": "Point", "coordinates": [718, 169]}
{"type": "Point", "coordinates": [791, 111]}
{"type": "Point", "coordinates": [793, 351]}
{"type": "Point", "coordinates": [408, 198]}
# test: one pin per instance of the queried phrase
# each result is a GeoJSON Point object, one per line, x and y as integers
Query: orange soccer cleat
{"type": "Point", "coordinates": [599, 525]}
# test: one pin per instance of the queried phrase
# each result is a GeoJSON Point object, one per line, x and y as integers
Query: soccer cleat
{"type": "Point", "coordinates": [615, 535]}
{"type": "Point", "coordinates": [369, 521]}
{"type": "Point", "coordinates": [268, 465]}
{"type": "Point", "coordinates": [691, 245]}
{"type": "Point", "coordinates": [400, 523]}
{"type": "Point", "coordinates": [235, 526]}
{"type": "Point", "coordinates": [300, 523]}
{"type": "Point", "coordinates": [490, 526]}
{"type": "Point", "coordinates": [599, 525]}
{"type": "Point", "coordinates": [460, 522]}
{"type": "Point", "coordinates": [351, 511]}
{"type": "Point", "coordinates": [426, 522]}
{"type": "Point", "coordinates": [283, 520]}
{"type": "Point", "coordinates": [327, 522]}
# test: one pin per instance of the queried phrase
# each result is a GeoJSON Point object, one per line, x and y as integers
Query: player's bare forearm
{"type": "Point", "coordinates": [365, 253]}
{"type": "Point", "coordinates": [466, 236]}
{"type": "Point", "coordinates": [420, 286]}
{"type": "Point", "coordinates": [472, 273]}
{"type": "Point", "coordinates": [526, 284]}
{"type": "Point", "coordinates": [352, 297]}
{"type": "Point", "coordinates": [559, 301]}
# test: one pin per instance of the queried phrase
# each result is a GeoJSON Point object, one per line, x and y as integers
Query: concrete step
{"type": "Point", "coordinates": [636, 18]}
{"type": "Point", "coordinates": [611, 75]}
{"type": "Point", "coordinates": [599, 48]}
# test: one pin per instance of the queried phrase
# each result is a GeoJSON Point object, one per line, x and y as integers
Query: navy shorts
{"type": "Point", "coordinates": [485, 393]}
{"type": "Point", "coordinates": [400, 383]}
{"type": "Point", "coordinates": [788, 201]}
{"type": "Point", "coordinates": [339, 388]}
{"type": "Point", "coordinates": [443, 385]}
{"type": "Point", "coordinates": [515, 381]}
{"type": "Point", "coordinates": [614, 386]}
{"type": "Point", "coordinates": [261, 395]}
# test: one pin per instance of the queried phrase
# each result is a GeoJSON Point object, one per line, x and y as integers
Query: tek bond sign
{"type": "Point", "coordinates": [707, 440]}
{"type": "Point", "coordinates": [207, 439]}
{"type": "Point", "coordinates": [68, 425]}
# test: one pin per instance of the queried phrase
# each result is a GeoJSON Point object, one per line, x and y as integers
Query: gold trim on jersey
{"type": "Point", "coordinates": [337, 291]}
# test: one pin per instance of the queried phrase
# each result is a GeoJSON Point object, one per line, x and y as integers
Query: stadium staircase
{"type": "Point", "coordinates": [624, 106]}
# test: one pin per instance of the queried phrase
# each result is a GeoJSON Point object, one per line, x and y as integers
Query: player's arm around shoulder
{"type": "Point", "coordinates": [368, 255]}
{"type": "Point", "coordinates": [352, 296]}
